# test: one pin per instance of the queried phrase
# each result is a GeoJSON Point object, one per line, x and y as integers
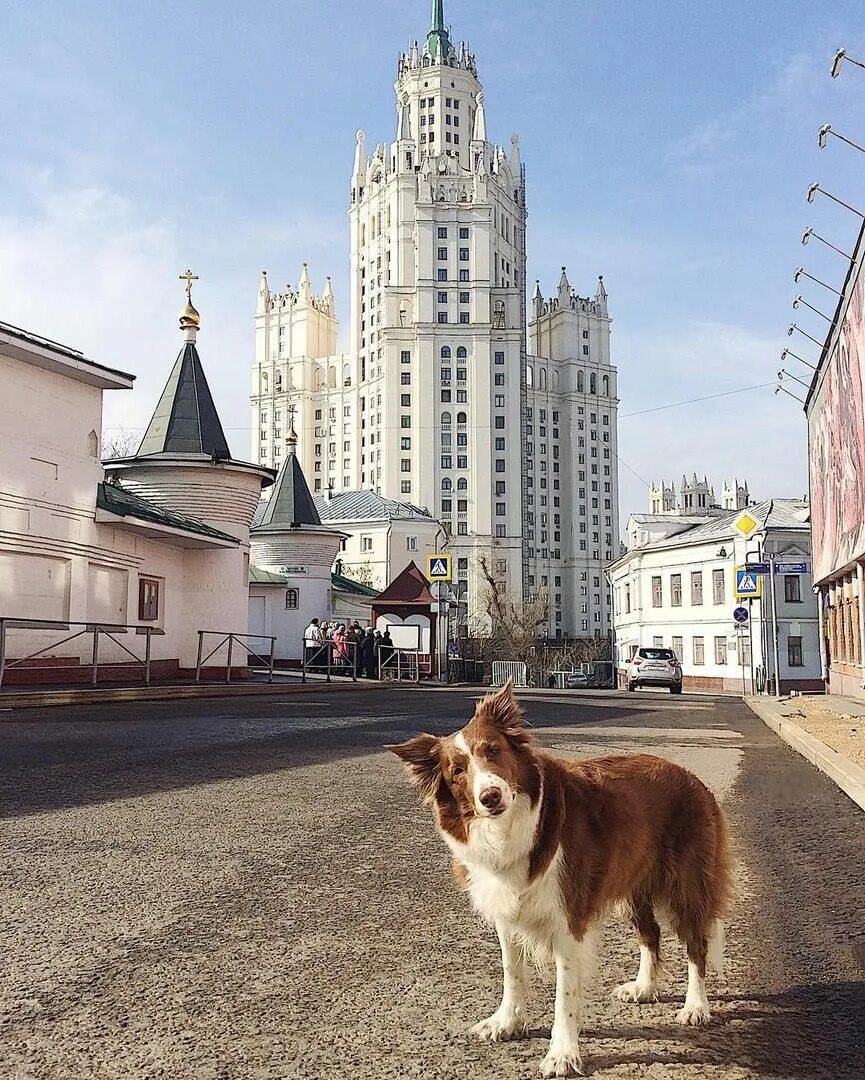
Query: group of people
{"type": "Point", "coordinates": [350, 645]}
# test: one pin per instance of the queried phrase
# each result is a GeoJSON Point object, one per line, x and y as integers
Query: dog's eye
{"type": "Point", "coordinates": [493, 750]}
{"type": "Point", "coordinates": [456, 771]}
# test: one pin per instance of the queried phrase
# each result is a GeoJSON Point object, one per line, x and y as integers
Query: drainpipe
{"type": "Point", "coordinates": [860, 580]}
{"type": "Point", "coordinates": [821, 631]}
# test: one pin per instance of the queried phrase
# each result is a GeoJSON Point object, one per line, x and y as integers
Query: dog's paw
{"type": "Point", "coordinates": [562, 1062]}
{"type": "Point", "coordinates": [693, 1016]}
{"type": "Point", "coordinates": [636, 993]}
{"type": "Point", "coordinates": [501, 1026]}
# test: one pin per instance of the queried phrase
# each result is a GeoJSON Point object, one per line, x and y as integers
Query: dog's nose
{"type": "Point", "coordinates": [491, 797]}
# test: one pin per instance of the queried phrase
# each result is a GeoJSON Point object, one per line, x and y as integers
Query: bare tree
{"type": "Point", "coordinates": [512, 631]}
{"type": "Point", "coordinates": [119, 443]}
{"type": "Point", "coordinates": [362, 574]}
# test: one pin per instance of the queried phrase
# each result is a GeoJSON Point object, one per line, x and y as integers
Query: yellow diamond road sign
{"type": "Point", "coordinates": [438, 567]}
{"type": "Point", "coordinates": [746, 524]}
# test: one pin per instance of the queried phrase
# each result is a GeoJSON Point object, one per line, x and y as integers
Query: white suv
{"type": "Point", "coordinates": [651, 666]}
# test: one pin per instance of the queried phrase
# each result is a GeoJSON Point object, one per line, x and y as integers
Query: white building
{"type": "Point", "coordinates": [159, 541]}
{"type": "Point", "coordinates": [382, 536]}
{"type": "Point", "coordinates": [677, 589]}
{"type": "Point", "coordinates": [443, 399]}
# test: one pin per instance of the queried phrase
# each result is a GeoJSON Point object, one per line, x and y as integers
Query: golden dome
{"type": "Point", "coordinates": [189, 317]}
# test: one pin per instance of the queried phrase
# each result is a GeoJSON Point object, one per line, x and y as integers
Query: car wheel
{"type": "Point", "coordinates": [675, 689]}
{"type": "Point", "coordinates": [631, 687]}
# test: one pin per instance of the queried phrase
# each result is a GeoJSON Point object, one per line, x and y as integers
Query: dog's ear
{"type": "Point", "coordinates": [422, 757]}
{"type": "Point", "coordinates": [502, 710]}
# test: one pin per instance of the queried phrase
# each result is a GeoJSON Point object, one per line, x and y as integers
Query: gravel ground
{"type": "Point", "coordinates": [842, 731]}
{"type": "Point", "coordinates": [215, 890]}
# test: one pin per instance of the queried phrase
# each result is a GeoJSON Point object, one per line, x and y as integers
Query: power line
{"type": "Point", "coordinates": [693, 401]}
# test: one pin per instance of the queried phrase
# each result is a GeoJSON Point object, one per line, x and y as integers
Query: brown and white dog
{"type": "Point", "coordinates": [546, 847]}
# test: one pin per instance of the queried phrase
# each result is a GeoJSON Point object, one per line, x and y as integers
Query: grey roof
{"type": "Point", "coordinates": [117, 500]}
{"type": "Point", "coordinates": [290, 504]}
{"type": "Point", "coordinates": [186, 420]}
{"type": "Point", "coordinates": [771, 513]}
{"type": "Point", "coordinates": [360, 504]}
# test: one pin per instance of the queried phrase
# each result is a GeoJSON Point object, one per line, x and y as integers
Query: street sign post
{"type": "Point", "coordinates": [748, 584]}
{"type": "Point", "coordinates": [439, 567]}
{"type": "Point", "coordinates": [757, 567]}
{"type": "Point", "coordinates": [741, 615]}
{"type": "Point", "coordinates": [791, 568]}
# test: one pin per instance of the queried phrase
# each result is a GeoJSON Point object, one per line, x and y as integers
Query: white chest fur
{"type": "Point", "coordinates": [496, 857]}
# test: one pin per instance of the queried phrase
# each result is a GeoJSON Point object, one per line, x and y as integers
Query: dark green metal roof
{"type": "Point", "coordinates": [117, 500]}
{"type": "Point", "coordinates": [291, 505]}
{"type": "Point", "coordinates": [349, 585]}
{"type": "Point", "coordinates": [437, 41]}
{"type": "Point", "coordinates": [186, 420]}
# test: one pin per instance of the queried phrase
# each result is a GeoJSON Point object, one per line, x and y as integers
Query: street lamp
{"type": "Point", "coordinates": [823, 138]}
{"type": "Point", "coordinates": [798, 329]}
{"type": "Point", "coordinates": [800, 300]}
{"type": "Point", "coordinates": [811, 193]}
{"type": "Point", "coordinates": [809, 232]}
{"type": "Point", "coordinates": [802, 272]}
{"type": "Point", "coordinates": [838, 59]}
{"type": "Point", "coordinates": [789, 352]}
{"type": "Point", "coordinates": [784, 372]}
{"type": "Point", "coordinates": [781, 390]}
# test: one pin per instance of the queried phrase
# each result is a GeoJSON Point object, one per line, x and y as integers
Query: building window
{"type": "Point", "coordinates": [678, 644]}
{"type": "Point", "coordinates": [405, 400]}
{"type": "Point", "coordinates": [676, 590]}
{"type": "Point", "coordinates": [411, 543]}
{"type": "Point", "coordinates": [464, 297]}
{"type": "Point", "coordinates": [366, 543]}
{"type": "Point", "coordinates": [500, 509]}
{"type": "Point", "coordinates": [462, 528]}
{"type": "Point", "coordinates": [500, 378]}
{"type": "Point", "coordinates": [148, 599]}
{"type": "Point", "coordinates": [464, 254]}
{"type": "Point", "coordinates": [405, 421]}
{"type": "Point", "coordinates": [405, 444]}
{"type": "Point", "coordinates": [464, 318]}
{"type": "Point", "coordinates": [447, 461]}
{"type": "Point", "coordinates": [699, 651]}
{"type": "Point", "coordinates": [500, 464]}
{"type": "Point", "coordinates": [405, 378]}
{"type": "Point", "coordinates": [795, 657]}
{"type": "Point", "coordinates": [442, 274]}
{"type": "Point", "coordinates": [443, 253]}
{"type": "Point", "coordinates": [721, 651]}
{"type": "Point", "coordinates": [657, 592]}
{"type": "Point", "coordinates": [792, 589]}
{"type": "Point", "coordinates": [464, 233]}
{"type": "Point", "coordinates": [405, 487]}
{"type": "Point", "coordinates": [443, 297]}
{"type": "Point", "coordinates": [657, 642]}
{"type": "Point", "coordinates": [500, 358]}
{"type": "Point", "coordinates": [292, 599]}
{"type": "Point", "coordinates": [464, 275]}
{"type": "Point", "coordinates": [443, 317]}
{"type": "Point", "coordinates": [501, 531]}
{"type": "Point", "coordinates": [443, 233]}
{"type": "Point", "coordinates": [718, 587]}
{"type": "Point", "coordinates": [697, 587]}
{"type": "Point", "coordinates": [500, 422]}
{"type": "Point", "coordinates": [405, 465]}
{"type": "Point", "coordinates": [500, 444]}
{"type": "Point", "coordinates": [405, 357]}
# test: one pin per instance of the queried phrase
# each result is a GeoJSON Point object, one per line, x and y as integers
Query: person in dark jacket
{"type": "Point", "coordinates": [368, 658]}
{"type": "Point", "coordinates": [386, 646]}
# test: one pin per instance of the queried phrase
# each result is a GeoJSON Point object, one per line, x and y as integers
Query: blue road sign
{"type": "Point", "coordinates": [748, 584]}
{"type": "Point", "coordinates": [757, 567]}
{"type": "Point", "coordinates": [791, 568]}
{"type": "Point", "coordinates": [741, 615]}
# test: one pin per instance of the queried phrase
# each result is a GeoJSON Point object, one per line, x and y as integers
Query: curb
{"type": "Point", "coordinates": [47, 699]}
{"type": "Point", "coordinates": [849, 777]}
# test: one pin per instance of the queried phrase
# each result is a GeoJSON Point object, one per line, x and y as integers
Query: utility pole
{"type": "Point", "coordinates": [775, 627]}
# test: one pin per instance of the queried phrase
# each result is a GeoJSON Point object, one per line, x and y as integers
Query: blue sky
{"type": "Point", "coordinates": [668, 147]}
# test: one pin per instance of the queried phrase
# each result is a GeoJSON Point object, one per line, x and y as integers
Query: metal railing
{"type": "Point", "coordinates": [325, 657]}
{"type": "Point", "coordinates": [92, 629]}
{"type": "Point", "coordinates": [230, 639]}
{"type": "Point", "coordinates": [401, 664]}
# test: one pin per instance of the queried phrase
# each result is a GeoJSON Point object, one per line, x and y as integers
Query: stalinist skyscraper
{"type": "Point", "coordinates": [453, 396]}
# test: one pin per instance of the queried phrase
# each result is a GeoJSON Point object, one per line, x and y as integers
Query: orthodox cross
{"type": "Point", "coordinates": [189, 277]}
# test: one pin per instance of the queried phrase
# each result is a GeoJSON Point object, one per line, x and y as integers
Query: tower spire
{"type": "Point", "coordinates": [437, 41]}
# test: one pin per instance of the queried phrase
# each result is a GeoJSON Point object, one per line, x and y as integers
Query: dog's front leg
{"type": "Point", "coordinates": [509, 1020]}
{"type": "Point", "coordinates": [564, 1057]}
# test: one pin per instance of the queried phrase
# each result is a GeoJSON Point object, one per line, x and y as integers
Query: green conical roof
{"type": "Point", "coordinates": [185, 420]}
{"type": "Point", "coordinates": [437, 41]}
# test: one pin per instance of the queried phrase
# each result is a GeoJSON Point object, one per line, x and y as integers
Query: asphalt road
{"type": "Point", "coordinates": [233, 889]}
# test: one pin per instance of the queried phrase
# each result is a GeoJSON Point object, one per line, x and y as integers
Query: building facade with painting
{"type": "Point", "coordinates": [490, 405]}
{"type": "Point", "coordinates": [836, 452]}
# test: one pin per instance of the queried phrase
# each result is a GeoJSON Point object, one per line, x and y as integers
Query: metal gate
{"type": "Point", "coordinates": [509, 669]}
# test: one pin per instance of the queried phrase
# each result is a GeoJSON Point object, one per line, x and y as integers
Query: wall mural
{"type": "Point", "coordinates": [837, 447]}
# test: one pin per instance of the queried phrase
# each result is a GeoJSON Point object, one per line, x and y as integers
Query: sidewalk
{"type": "Point", "coordinates": [13, 698]}
{"type": "Point", "coordinates": [827, 730]}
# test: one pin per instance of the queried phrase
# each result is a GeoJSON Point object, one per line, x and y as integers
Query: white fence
{"type": "Point", "coordinates": [509, 669]}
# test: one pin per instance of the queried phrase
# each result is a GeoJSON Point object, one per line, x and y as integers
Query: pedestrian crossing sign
{"type": "Point", "coordinates": [749, 584]}
{"type": "Point", "coordinates": [438, 567]}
